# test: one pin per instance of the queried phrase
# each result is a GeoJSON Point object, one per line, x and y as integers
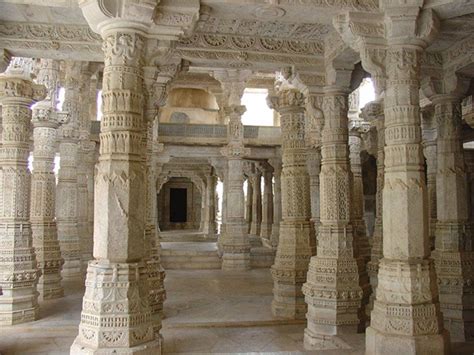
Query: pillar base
{"type": "Point", "coordinates": [21, 314]}
{"type": "Point", "coordinates": [379, 343]}
{"type": "Point", "coordinates": [50, 292]}
{"type": "Point", "coordinates": [288, 300]}
{"type": "Point", "coordinates": [116, 316]}
{"type": "Point", "coordinates": [150, 348]}
{"type": "Point", "coordinates": [235, 261]}
{"type": "Point", "coordinates": [314, 341]}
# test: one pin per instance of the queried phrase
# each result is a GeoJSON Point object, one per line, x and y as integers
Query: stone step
{"type": "Point", "coordinates": [190, 256]}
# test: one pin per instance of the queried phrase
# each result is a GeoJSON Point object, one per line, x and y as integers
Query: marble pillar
{"type": "Point", "coordinates": [256, 179]}
{"type": "Point", "coordinates": [333, 291]}
{"type": "Point", "coordinates": [249, 204]}
{"type": "Point", "coordinates": [454, 254]}
{"type": "Point", "coordinates": [357, 205]}
{"type": "Point", "coordinates": [406, 316]}
{"type": "Point", "coordinates": [116, 314]}
{"type": "Point", "coordinates": [67, 189]}
{"type": "Point", "coordinates": [275, 237]}
{"type": "Point", "coordinates": [293, 252]}
{"type": "Point", "coordinates": [18, 265]}
{"type": "Point", "coordinates": [210, 226]}
{"type": "Point", "coordinates": [46, 120]}
{"type": "Point", "coordinates": [429, 133]}
{"type": "Point", "coordinates": [373, 112]}
{"type": "Point", "coordinates": [235, 241]}
{"type": "Point", "coordinates": [267, 204]}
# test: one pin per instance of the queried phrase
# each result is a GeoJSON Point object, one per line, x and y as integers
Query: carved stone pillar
{"type": "Point", "coordinates": [357, 205]}
{"type": "Point", "coordinates": [275, 237]}
{"type": "Point", "coordinates": [89, 157]}
{"type": "Point", "coordinates": [235, 241]}
{"type": "Point", "coordinates": [313, 161]}
{"type": "Point", "coordinates": [256, 179]}
{"type": "Point", "coordinates": [46, 121]}
{"type": "Point", "coordinates": [116, 314]}
{"type": "Point", "coordinates": [406, 314]}
{"type": "Point", "coordinates": [18, 267]}
{"type": "Point", "coordinates": [293, 252]}
{"type": "Point", "coordinates": [454, 255]}
{"type": "Point", "coordinates": [67, 189]}
{"type": "Point", "coordinates": [332, 291]}
{"type": "Point", "coordinates": [210, 226]}
{"type": "Point", "coordinates": [373, 112]}
{"type": "Point", "coordinates": [249, 204]}
{"type": "Point", "coordinates": [267, 205]}
{"type": "Point", "coordinates": [429, 133]}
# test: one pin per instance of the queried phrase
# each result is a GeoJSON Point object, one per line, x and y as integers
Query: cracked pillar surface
{"type": "Point", "coordinates": [46, 120]}
{"type": "Point", "coordinates": [406, 317]}
{"type": "Point", "coordinates": [18, 265]}
{"type": "Point", "coordinates": [294, 251]}
{"type": "Point", "coordinates": [332, 291]}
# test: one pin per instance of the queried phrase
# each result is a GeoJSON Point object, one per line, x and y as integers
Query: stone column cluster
{"type": "Point", "coordinates": [19, 272]}
{"type": "Point", "coordinates": [294, 251]}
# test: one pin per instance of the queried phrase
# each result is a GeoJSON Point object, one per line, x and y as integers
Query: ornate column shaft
{"type": "Point", "coordinates": [358, 222]}
{"type": "Point", "coordinates": [67, 189]}
{"type": "Point", "coordinates": [332, 291]}
{"type": "Point", "coordinates": [429, 133]}
{"type": "Point", "coordinates": [406, 313]}
{"type": "Point", "coordinates": [46, 121]}
{"type": "Point", "coordinates": [454, 255]}
{"type": "Point", "coordinates": [116, 314]}
{"type": "Point", "coordinates": [275, 237]}
{"type": "Point", "coordinates": [210, 227]}
{"type": "Point", "coordinates": [234, 241]}
{"type": "Point", "coordinates": [373, 111]}
{"type": "Point", "coordinates": [267, 205]}
{"type": "Point", "coordinates": [18, 267]}
{"type": "Point", "coordinates": [249, 204]}
{"type": "Point", "coordinates": [293, 252]}
{"type": "Point", "coordinates": [256, 179]}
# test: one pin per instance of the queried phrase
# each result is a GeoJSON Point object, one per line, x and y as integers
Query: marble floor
{"type": "Point", "coordinates": [207, 312]}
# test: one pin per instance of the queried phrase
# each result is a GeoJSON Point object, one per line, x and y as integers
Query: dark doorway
{"type": "Point", "coordinates": [178, 205]}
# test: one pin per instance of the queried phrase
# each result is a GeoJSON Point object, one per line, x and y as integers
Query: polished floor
{"type": "Point", "coordinates": [207, 312]}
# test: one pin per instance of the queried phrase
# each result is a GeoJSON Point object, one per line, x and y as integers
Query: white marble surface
{"type": "Point", "coordinates": [207, 312]}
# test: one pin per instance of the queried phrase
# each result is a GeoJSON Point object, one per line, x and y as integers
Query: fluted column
{"type": "Point", "coordinates": [373, 112]}
{"type": "Point", "coordinates": [429, 133]}
{"type": "Point", "coordinates": [275, 237]}
{"type": "Point", "coordinates": [454, 255]}
{"type": "Point", "coordinates": [18, 266]}
{"type": "Point", "coordinates": [267, 204]}
{"type": "Point", "coordinates": [255, 180]}
{"type": "Point", "coordinates": [406, 310]}
{"type": "Point", "coordinates": [46, 121]}
{"type": "Point", "coordinates": [332, 291]}
{"type": "Point", "coordinates": [293, 252]}
{"type": "Point", "coordinates": [67, 189]}
{"type": "Point", "coordinates": [116, 314]}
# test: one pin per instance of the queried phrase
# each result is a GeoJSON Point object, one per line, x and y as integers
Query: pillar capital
{"type": "Point", "coordinates": [287, 101]}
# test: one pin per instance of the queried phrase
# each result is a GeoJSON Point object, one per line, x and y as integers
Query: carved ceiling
{"type": "Point", "coordinates": [262, 35]}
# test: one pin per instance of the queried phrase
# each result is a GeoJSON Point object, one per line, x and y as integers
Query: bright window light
{"type": "Point", "coordinates": [99, 106]}
{"type": "Point", "coordinates": [366, 92]}
{"type": "Point", "coordinates": [258, 113]}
